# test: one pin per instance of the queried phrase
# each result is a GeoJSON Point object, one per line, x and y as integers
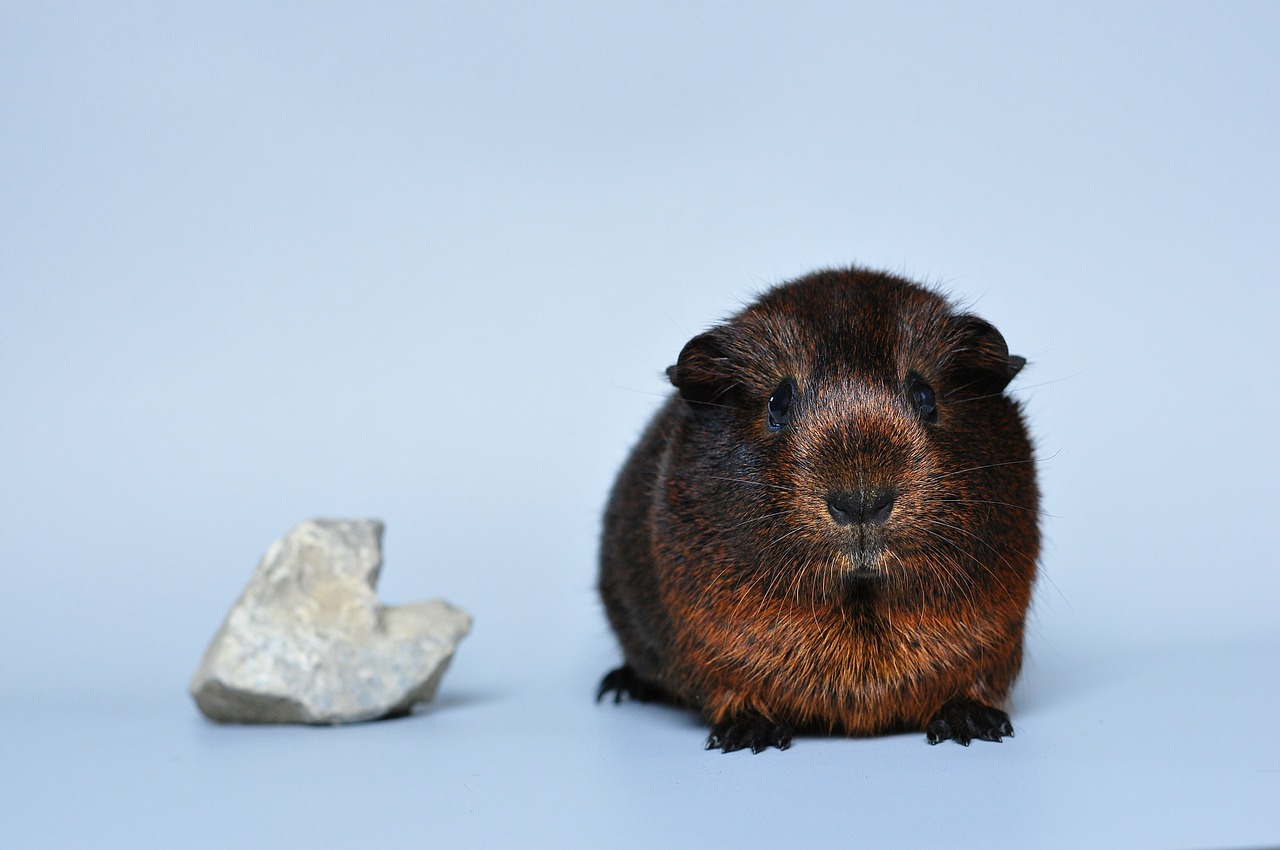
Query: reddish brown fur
{"type": "Point", "coordinates": [728, 583]}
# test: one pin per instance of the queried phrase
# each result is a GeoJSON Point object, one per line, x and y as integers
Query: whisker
{"type": "Point", "coordinates": [1020, 388]}
{"type": "Point", "coordinates": [928, 500]}
{"type": "Point", "coordinates": [1002, 463]}
{"type": "Point", "coordinates": [752, 482]}
{"type": "Point", "coordinates": [986, 567]}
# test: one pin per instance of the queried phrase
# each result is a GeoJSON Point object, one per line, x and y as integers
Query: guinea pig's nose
{"type": "Point", "coordinates": [870, 506]}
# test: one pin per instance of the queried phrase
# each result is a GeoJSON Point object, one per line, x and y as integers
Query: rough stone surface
{"type": "Point", "coordinates": [308, 641]}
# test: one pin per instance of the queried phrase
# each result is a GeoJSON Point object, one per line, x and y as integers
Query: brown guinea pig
{"type": "Point", "coordinates": [832, 525]}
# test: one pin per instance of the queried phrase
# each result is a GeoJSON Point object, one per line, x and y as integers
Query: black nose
{"type": "Point", "coordinates": [869, 507]}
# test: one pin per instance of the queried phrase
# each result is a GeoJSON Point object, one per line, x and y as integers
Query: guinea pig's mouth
{"type": "Point", "coordinates": [864, 562]}
{"type": "Point", "coordinates": [861, 575]}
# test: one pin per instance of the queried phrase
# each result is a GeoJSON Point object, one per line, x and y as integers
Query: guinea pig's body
{"type": "Point", "coordinates": [832, 525]}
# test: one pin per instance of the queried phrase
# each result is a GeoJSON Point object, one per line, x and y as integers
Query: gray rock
{"type": "Point", "coordinates": [308, 641]}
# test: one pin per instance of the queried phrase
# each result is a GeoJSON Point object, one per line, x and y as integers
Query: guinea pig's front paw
{"type": "Point", "coordinates": [623, 682]}
{"type": "Point", "coordinates": [964, 720]}
{"type": "Point", "coordinates": [748, 731]}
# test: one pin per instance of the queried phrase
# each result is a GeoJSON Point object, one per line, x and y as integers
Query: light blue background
{"type": "Point", "coordinates": [426, 263]}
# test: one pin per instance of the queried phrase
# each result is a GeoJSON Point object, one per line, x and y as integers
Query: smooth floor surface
{"type": "Point", "coordinates": [1167, 747]}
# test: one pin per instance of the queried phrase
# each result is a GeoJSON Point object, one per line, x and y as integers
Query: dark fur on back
{"type": "Point", "coordinates": [856, 555]}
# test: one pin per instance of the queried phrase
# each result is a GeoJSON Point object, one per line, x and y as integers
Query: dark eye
{"type": "Point", "coordinates": [780, 405]}
{"type": "Point", "coordinates": [922, 398]}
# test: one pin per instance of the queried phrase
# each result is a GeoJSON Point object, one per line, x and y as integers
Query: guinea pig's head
{"type": "Point", "coordinates": [851, 430]}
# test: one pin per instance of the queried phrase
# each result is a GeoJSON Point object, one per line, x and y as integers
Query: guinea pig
{"type": "Point", "coordinates": [832, 525]}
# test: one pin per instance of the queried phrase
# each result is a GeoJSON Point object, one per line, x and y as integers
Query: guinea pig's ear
{"type": "Point", "coordinates": [702, 372]}
{"type": "Point", "coordinates": [981, 357]}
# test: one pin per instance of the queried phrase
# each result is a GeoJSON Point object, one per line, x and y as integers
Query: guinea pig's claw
{"type": "Point", "coordinates": [613, 682]}
{"type": "Point", "coordinates": [623, 683]}
{"type": "Point", "coordinates": [751, 732]}
{"type": "Point", "coordinates": [964, 720]}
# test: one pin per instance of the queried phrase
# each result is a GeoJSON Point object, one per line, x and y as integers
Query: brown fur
{"type": "Point", "coordinates": [730, 585]}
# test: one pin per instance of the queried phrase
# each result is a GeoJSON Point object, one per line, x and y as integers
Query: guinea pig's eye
{"type": "Point", "coordinates": [922, 398]}
{"type": "Point", "coordinates": [780, 405]}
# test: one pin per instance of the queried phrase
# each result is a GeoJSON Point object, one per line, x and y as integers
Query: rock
{"type": "Point", "coordinates": [308, 641]}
